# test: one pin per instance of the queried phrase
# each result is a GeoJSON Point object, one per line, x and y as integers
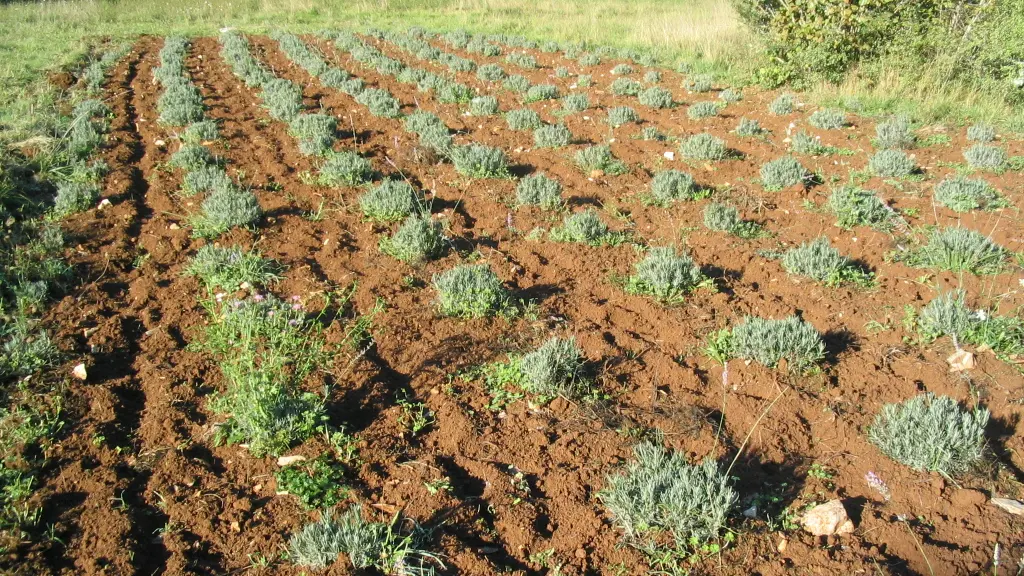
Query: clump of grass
{"type": "Point", "coordinates": [314, 131]}
{"type": "Point", "coordinates": [539, 190]}
{"type": "Point", "coordinates": [625, 87]}
{"type": "Point", "coordinates": [981, 133]}
{"type": "Point", "coordinates": [895, 133]}
{"type": "Point", "coordinates": [963, 194]}
{"type": "Point", "coordinates": [985, 157]}
{"type": "Point", "coordinates": [479, 161]}
{"type": "Point", "coordinates": [199, 132]}
{"type": "Point", "coordinates": [724, 218]}
{"type": "Point", "coordinates": [783, 105]}
{"type": "Point", "coordinates": [656, 97]}
{"type": "Point", "coordinates": [665, 275]}
{"type": "Point", "coordinates": [819, 261]}
{"type": "Point", "coordinates": [205, 179]}
{"type": "Point", "coordinates": [749, 128]}
{"type": "Point", "coordinates": [699, 83]}
{"type": "Point", "coordinates": [669, 186]}
{"type": "Point", "coordinates": [554, 369]}
{"type": "Point", "coordinates": [470, 291]}
{"type": "Point", "coordinates": [73, 197]}
{"type": "Point", "coordinates": [702, 110]}
{"type": "Point", "coordinates": [345, 168]}
{"type": "Point", "coordinates": [552, 136]}
{"type": "Point", "coordinates": [516, 83]}
{"type": "Point", "coordinates": [585, 227]}
{"type": "Point", "coordinates": [620, 115]}
{"type": "Point", "coordinates": [418, 239]}
{"type": "Point", "coordinates": [931, 433]}
{"type": "Point", "coordinates": [660, 493]}
{"type": "Point", "coordinates": [959, 250]}
{"type": "Point", "coordinates": [224, 209]}
{"type": "Point", "coordinates": [892, 164]}
{"type": "Point", "coordinates": [768, 342]}
{"type": "Point", "coordinates": [589, 59]}
{"type": "Point", "coordinates": [704, 146]}
{"type": "Point", "coordinates": [522, 119]}
{"type": "Point", "coordinates": [540, 92]}
{"type": "Point", "coordinates": [855, 206]}
{"type": "Point", "coordinates": [380, 103]}
{"type": "Point", "coordinates": [522, 60]}
{"type": "Point", "coordinates": [730, 96]}
{"type": "Point", "coordinates": [599, 157]}
{"type": "Point", "coordinates": [782, 173]}
{"type": "Point", "coordinates": [391, 201]}
{"type": "Point", "coordinates": [828, 119]}
{"type": "Point", "coordinates": [229, 268]}
{"type": "Point", "coordinates": [191, 157]}
{"type": "Point", "coordinates": [575, 103]}
{"type": "Point", "coordinates": [282, 99]}
{"type": "Point", "coordinates": [483, 106]}
{"type": "Point", "coordinates": [804, 143]}
{"type": "Point", "coordinates": [490, 73]}
{"type": "Point", "coordinates": [947, 315]}
{"type": "Point", "coordinates": [622, 69]}
{"type": "Point", "coordinates": [652, 77]}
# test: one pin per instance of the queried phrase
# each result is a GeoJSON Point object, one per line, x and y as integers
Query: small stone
{"type": "Point", "coordinates": [827, 519]}
{"type": "Point", "coordinates": [173, 226]}
{"type": "Point", "coordinates": [80, 372]}
{"type": "Point", "coordinates": [103, 204]}
{"type": "Point", "coordinates": [90, 331]}
{"type": "Point", "coordinates": [160, 143]}
{"type": "Point", "coordinates": [670, 155]}
{"type": "Point", "coordinates": [783, 544]}
{"type": "Point", "coordinates": [235, 526]}
{"type": "Point", "coordinates": [289, 460]}
{"type": "Point", "coordinates": [960, 361]}
{"type": "Point", "coordinates": [1014, 507]}
{"type": "Point", "coordinates": [596, 173]}
{"type": "Point", "coordinates": [751, 512]}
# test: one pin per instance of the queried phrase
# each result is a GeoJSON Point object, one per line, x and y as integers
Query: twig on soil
{"type": "Point", "coordinates": [919, 547]}
{"type": "Point", "coordinates": [752, 428]}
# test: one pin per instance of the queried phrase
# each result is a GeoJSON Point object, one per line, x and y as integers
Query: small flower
{"type": "Point", "coordinates": [257, 297]}
{"type": "Point", "coordinates": [296, 306]}
{"type": "Point", "coordinates": [296, 298]}
{"type": "Point", "coordinates": [981, 315]}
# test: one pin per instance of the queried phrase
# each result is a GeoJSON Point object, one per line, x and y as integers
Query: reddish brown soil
{"type": "Point", "coordinates": [137, 486]}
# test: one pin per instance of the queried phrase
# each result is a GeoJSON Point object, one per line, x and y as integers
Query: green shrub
{"type": "Point", "coordinates": [205, 179]}
{"type": "Point", "coordinates": [334, 78]}
{"type": "Point", "coordinates": [453, 92]}
{"type": "Point", "coordinates": [73, 197]}
{"type": "Point", "coordinates": [622, 69]}
{"type": "Point", "coordinates": [418, 239]}
{"type": "Point", "coordinates": [483, 106]}
{"type": "Point", "coordinates": [892, 164]}
{"type": "Point", "coordinates": [704, 146]}
{"type": "Point", "coordinates": [521, 60]}
{"type": "Point", "coordinates": [854, 206]}
{"type": "Point", "coordinates": [479, 161]}
{"type": "Point", "coordinates": [541, 92]}
{"type": "Point", "coordinates": [457, 39]}
{"type": "Point", "coordinates": [470, 291]}
{"type": "Point", "coordinates": [804, 143]}
{"type": "Point", "coordinates": [965, 194]}
{"type": "Point", "coordinates": [665, 275]}
{"type": "Point", "coordinates": [730, 96]}
{"type": "Point", "coordinates": [439, 140]}
{"type": "Point", "coordinates": [516, 83]}
{"type": "Point", "coordinates": [946, 315]}
{"type": "Point", "coordinates": [783, 105]}
{"type": "Point", "coordinates": [180, 104]}
{"type": "Point", "coordinates": [895, 133]}
{"type": "Point", "coordinates": [782, 173]}
{"type": "Point", "coordinates": [588, 59]}
{"type": "Point", "coordinates": [981, 133]}
{"type": "Point", "coordinates": [562, 72]}
{"type": "Point", "coordinates": [199, 132]}
{"type": "Point", "coordinates": [523, 119]}
{"type": "Point", "coordinates": [699, 83]}
{"type": "Point", "coordinates": [352, 86]}
{"type": "Point", "coordinates": [539, 190]}
{"type": "Point", "coordinates": [984, 157]}
{"type": "Point", "coordinates": [724, 218]}
{"type": "Point", "coordinates": [619, 115]}
{"type": "Point", "coordinates": [345, 168]}
{"type": "Point", "coordinates": [584, 80]}
{"type": "Point", "coordinates": [702, 110]}
{"type": "Point", "coordinates": [490, 73]}
{"type": "Point", "coordinates": [819, 261]}
{"type": "Point", "coordinates": [554, 369]}
{"type": "Point", "coordinates": [317, 483]}
{"type": "Point", "coordinates": [552, 136]}
{"type": "Point", "coordinates": [314, 131]}
{"type": "Point", "coordinates": [625, 87]}
{"type": "Point", "coordinates": [282, 99]}
{"type": "Point", "coordinates": [391, 201]}
{"type": "Point", "coordinates": [380, 103]}
{"type": "Point", "coordinates": [767, 342]}
{"type": "Point", "coordinates": [828, 119]}
{"type": "Point", "coordinates": [660, 494]}
{"type": "Point", "coordinates": [24, 353]}
{"type": "Point", "coordinates": [226, 208]}
{"type": "Point", "coordinates": [229, 268]}
{"type": "Point", "coordinates": [549, 47]}
{"type": "Point", "coordinates": [652, 77]}
{"type": "Point", "coordinates": [575, 103]}
{"type": "Point", "coordinates": [191, 157]}
{"type": "Point", "coordinates": [668, 186]}
{"type": "Point", "coordinates": [419, 122]}
{"type": "Point", "coordinates": [959, 250]}
{"type": "Point", "coordinates": [458, 64]}
{"type": "Point", "coordinates": [748, 128]}
{"type": "Point", "coordinates": [931, 433]}
{"type": "Point", "coordinates": [584, 227]}
{"type": "Point", "coordinates": [599, 157]}
{"type": "Point", "coordinates": [651, 133]}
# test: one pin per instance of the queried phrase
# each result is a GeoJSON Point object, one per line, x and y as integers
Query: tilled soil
{"type": "Point", "coordinates": [138, 486]}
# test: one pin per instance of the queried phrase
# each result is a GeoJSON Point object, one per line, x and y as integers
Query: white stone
{"type": "Point", "coordinates": [80, 372]}
{"type": "Point", "coordinates": [1014, 507]}
{"type": "Point", "coordinates": [289, 460]}
{"type": "Point", "coordinates": [827, 519]}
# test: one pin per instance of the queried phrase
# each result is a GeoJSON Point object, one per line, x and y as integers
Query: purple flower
{"type": "Point", "coordinates": [878, 485]}
{"type": "Point", "coordinates": [257, 297]}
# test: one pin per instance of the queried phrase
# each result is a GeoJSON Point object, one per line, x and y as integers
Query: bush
{"type": "Point", "coordinates": [668, 186]}
{"type": "Point", "coordinates": [180, 104]}
{"type": "Point", "coordinates": [420, 122]}
{"type": "Point", "coordinates": [282, 99]}
{"type": "Point", "coordinates": [541, 92]}
{"type": "Point", "coordinates": [965, 194]}
{"type": "Point", "coordinates": [584, 227]}
{"type": "Point", "coordinates": [334, 78]}
{"type": "Point", "coordinates": [959, 250]}
{"type": "Point", "coordinates": [452, 92]}
{"type": "Point", "coordinates": [380, 103]}
{"type": "Point", "coordinates": [575, 103]}
{"type": "Point", "coordinates": [554, 369]}
{"type": "Point", "coordinates": [521, 60]}
{"type": "Point", "coordinates": [391, 201]}
{"type": "Point", "coordinates": [516, 83]}
{"type": "Point", "coordinates": [984, 157]}
{"type": "Point", "coordinates": [478, 161]}
{"type": "Point", "coordinates": [699, 83]}
{"type": "Point", "coordinates": [418, 239]}
{"type": "Point", "coordinates": [652, 77]}
{"type": "Point", "coordinates": [782, 173]}
{"type": "Point", "coordinates": [651, 133]}
{"type": "Point", "coordinates": [854, 206]}
{"type": "Point", "coordinates": [483, 106]}
{"type": "Point", "coordinates": [205, 179]}
{"type": "Point", "coordinates": [191, 157]}
{"type": "Point", "coordinates": [895, 133]}
{"type": "Point", "coordinates": [783, 105]}
{"type": "Point", "coordinates": [224, 209]}
{"type": "Point", "coordinates": [828, 119]}
{"type": "Point", "coordinates": [539, 190]}
{"type": "Point", "coordinates": [730, 96]}
{"type": "Point", "coordinates": [314, 131]}
{"type": "Point", "coordinates": [367, 545]}
{"type": "Point", "coordinates": [625, 87]}
{"type": "Point", "coordinates": [599, 158]}
{"type": "Point", "coordinates": [620, 115]}
{"type": "Point", "coordinates": [229, 268]}
{"type": "Point", "coordinates": [892, 164]}
{"type": "Point", "coordinates": [622, 69]}
{"type": "Point", "coordinates": [470, 291]}
{"type": "Point", "coordinates": [562, 72]}
{"type": "Point", "coordinates": [931, 433]}
{"type": "Point", "coordinates": [665, 275]}
{"type": "Point", "coordinates": [702, 110]}
{"type": "Point", "coordinates": [946, 315]}
{"type": "Point", "coordinates": [552, 136]}
{"type": "Point", "coordinates": [199, 132]}
{"type": "Point", "coordinates": [748, 128]}
{"type": "Point", "coordinates": [490, 73]}
{"type": "Point", "coordinates": [723, 218]}
{"type": "Point", "coordinates": [767, 342]}
{"type": "Point", "coordinates": [584, 80]}
{"type": "Point", "coordinates": [523, 119]}
{"type": "Point", "coordinates": [704, 147]}
{"type": "Point", "coordinates": [352, 86]}
{"type": "Point", "coordinates": [981, 133]}
{"type": "Point", "coordinates": [588, 59]}
{"type": "Point", "coordinates": [819, 261]}
{"type": "Point", "coordinates": [345, 168]}
{"type": "Point", "coordinates": [659, 492]}
{"type": "Point", "coordinates": [73, 197]}
{"type": "Point", "coordinates": [804, 143]}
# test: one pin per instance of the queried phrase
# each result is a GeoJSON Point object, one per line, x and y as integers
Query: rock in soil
{"type": "Point", "coordinates": [827, 519]}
